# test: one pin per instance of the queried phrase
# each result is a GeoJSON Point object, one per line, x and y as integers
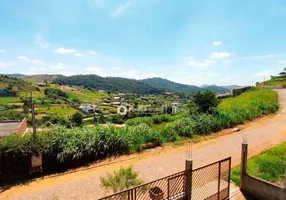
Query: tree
{"type": "Point", "coordinates": [121, 180]}
{"type": "Point", "coordinates": [77, 118]}
{"type": "Point", "coordinates": [206, 101]}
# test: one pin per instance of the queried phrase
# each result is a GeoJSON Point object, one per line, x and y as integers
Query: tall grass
{"type": "Point", "coordinates": [155, 119]}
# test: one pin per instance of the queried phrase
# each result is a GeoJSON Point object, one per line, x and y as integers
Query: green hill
{"type": "Point", "coordinates": [40, 78]}
{"type": "Point", "coordinates": [113, 84]}
{"type": "Point", "coordinates": [178, 87]}
{"type": "Point", "coordinates": [170, 85]}
{"type": "Point", "coordinates": [14, 84]}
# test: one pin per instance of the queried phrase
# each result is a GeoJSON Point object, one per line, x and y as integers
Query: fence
{"type": "Point", "coordinates": [211, 182]}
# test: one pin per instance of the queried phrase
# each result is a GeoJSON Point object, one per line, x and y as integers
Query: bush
{"type": "Point", "coordinates": [121, 180]}
{"type": "Point", "coordinates": [11, 115]}
{"type": "Point", "coordinates": [77, 118]}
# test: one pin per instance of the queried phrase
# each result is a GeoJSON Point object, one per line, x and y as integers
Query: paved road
{"type": "Point", "coordinates": [260, 134]}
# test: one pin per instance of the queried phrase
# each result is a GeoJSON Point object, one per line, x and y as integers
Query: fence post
{"type": "Point", "coordinates": [285, 182]}
{"type": "Point", "coordinates": [243, 164]}
{"type": "Point", "coordinates": [188, 183]}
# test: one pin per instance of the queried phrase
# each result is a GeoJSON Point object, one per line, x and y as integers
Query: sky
{"type": "Point", "coordinates": [193, 42]}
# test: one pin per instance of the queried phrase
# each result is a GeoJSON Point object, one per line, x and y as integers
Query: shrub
{"type": "Point", "coordinates": [77, 118]}
{"type": "Point", "coordinates": [121, 180]}
{"type": "Point", "coordinates": [11, 115]}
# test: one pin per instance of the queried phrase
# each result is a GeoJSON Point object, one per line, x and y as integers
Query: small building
{"type": "Point", "coordinates": [121, 94]}
{"type": "Point", "coordinates": [101, 90]}
{"type": "Point", "coordinates": [169, 93]}
{"type": "Point", "coordinates": [116, 103]}
{"type": "Point", "coordinates": [116, 98]}
{"type": "Point", "coordinates": [88, 108]}
{"type": "Point", "coordinates": [42, 84]}
{"type": "Point", "coordinates": [8, 127]}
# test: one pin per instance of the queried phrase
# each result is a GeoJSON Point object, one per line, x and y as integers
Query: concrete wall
{"type": "Point", "coordinates": [260, 189]}
{"type": "Point", "coordinates": [255, 187]}
{"type": "Point", "coordinates": [23, 127]}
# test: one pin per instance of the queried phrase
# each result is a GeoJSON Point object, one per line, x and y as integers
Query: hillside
{"type": "Point", "coordinates": [178, 87]}
{"type": "Point", "coordinates": [113, 84]}
{"type": "Point", "coordinates": [14, 84]}
{"type": "Point", "coordinates": [40, 78]}
{"type": "Point", "coordinates": [170, 85]}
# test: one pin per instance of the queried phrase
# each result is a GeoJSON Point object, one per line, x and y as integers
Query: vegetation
{"type": "Point", "coordinates": [11, 115]}
{"type": "Point", "coordinates": [269, 165]}
{"type": "Point", "coordinates": [120, 180]}
{"type": "Point", "coordinates": [205, 101]}
{"type": "Point", "coordinates": [180, 88]}
{"type": "Point", "coordinates": [114, 84]}
{"type": "Point", "coordinates": [77, 118]}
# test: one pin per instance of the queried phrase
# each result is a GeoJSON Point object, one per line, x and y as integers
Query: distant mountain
{"type": "Point", "coordinates": [14, 75]}
{"type": "Point", "coordinates": [178, 87]}
{"type": "Point", "coordinates": [170, 85]}
{"type": "Point", "coordinates": [14, 84]}
{"type": "Point", "coordinates": [114, 84]}
{"type": "Point", "coordinates": [231, 87]}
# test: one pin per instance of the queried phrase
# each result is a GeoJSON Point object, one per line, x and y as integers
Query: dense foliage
{"type": "Point", "coordinates": [11, 115]}
{"type": "Point", "coordinates": [206, 101]}
{"type": "Point", "coordinates": [114, 84]}
{"type": "Point", "coordinates": [180, 88]}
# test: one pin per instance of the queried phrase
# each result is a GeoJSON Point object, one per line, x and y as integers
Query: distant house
{"type": "Point", "coordinates": [3, 93]}
{"type": "Point", "coordinates": [101, 90]}
{"type": "Point", "coordinates": [116, 103]}
{"type": "Point", "coordinates": [121, 94]}
{"type": "Point", "coordinates": [88, 108]}
{"type": "Point", "coordinates": [169, 93]}
{"type": "Point", "coordinates": [116, 98]}
{"type": "Point", "coordinates": [42, 84]}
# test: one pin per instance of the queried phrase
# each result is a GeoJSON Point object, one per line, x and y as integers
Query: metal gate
{"type": "Point", "coordinates": [210, 182]}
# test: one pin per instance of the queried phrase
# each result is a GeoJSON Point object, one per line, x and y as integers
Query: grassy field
{"type": "Point", "coordinates": [5, 100]}
{"type": "Point", "coordinates": [268, 96]}
{"type": "Point", "coordinates": [61, 110]}
{"type": "Point", "coordinates": [269, 165]}
{"type": "Point", "coordinates": [87, 96]}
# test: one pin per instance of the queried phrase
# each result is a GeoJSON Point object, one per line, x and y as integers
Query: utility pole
{"type": "Point", "coordinates": [33, 115]}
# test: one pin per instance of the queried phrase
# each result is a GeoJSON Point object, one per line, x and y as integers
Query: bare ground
{"type": "Point", "coordinates": [84, 183]}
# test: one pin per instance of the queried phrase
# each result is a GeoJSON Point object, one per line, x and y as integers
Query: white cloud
{"type": "Point", "coordinates": [282, 61]}
{"type": "Point", "coordinates": [226, 61]}
{"type": "Point", "coordinates": [41, 41]}
{"type": "Point", "coordinates": [200, 64]}
{"type": "Point", "coordinates": [35, 70]}
{"type": "Point", "coordinates": [262, 74]}
{"type": "Point", "coordinates": [217, 55]}
{"type": "Point", "coordinates": [65, 51]}
{"type": "Point", "coordinates": [91, 52]}
{"type": "Point", "coordinates": [6, 65]}
{"type": "Point", "coordinates": [115, 68]}
{"type": "Point", "coordinates": [58, 66]}
{"type": "Point", "coordinates": [26, 59]}
{"type": "Point", "coordinates": [217, 43]}
{"type": "Point", "coordinates": [121, 9]}
{"type": "Point", "coordinates": [93, 69]}
{"type": "Point", "coordinates": [79, 54]}
{"type": "Point", "coordinates": [2, 50]}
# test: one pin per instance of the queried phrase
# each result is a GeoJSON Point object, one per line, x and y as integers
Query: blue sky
{"type": "Point", "coordinates": [194, 42]}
